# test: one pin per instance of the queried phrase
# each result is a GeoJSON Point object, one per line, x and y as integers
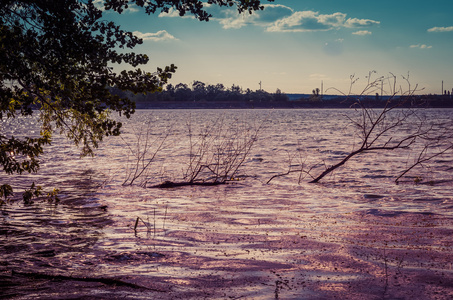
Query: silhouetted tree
{"type": "Point", "coordinates": [315, 95]}
{"type": "Point", "coordinates": [56, 56]}
{"type": "Point", "coordinates": [198, 90]}
{"type": "Point", "coordinates": [262, 96]}
{"type": "Point", "coordinates": [169, 93]}
{"type": "Point", "coordinates": [234, 93]}
{"type": "Point", "coordinates": [183, 92]}
{"type": "Point", "coordinates": [170, 89]}
{"type": "Point", "coordinates": [279, 96]}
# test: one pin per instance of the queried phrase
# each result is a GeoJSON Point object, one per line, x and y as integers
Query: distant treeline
{"type": "Point", "coordinates": [200, 92]}
{"type": "Point", "coordinates": [201, 95]}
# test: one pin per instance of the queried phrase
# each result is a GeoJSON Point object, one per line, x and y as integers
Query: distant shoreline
{"type": "Point", "coordinates": [434, 102]}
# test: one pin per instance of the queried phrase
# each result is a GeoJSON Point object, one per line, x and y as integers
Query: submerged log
{"type": "Point", "coordinates": [171, 184]}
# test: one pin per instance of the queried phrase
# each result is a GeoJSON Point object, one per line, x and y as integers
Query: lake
{"type": "Point", "coordinates": [354, 235]}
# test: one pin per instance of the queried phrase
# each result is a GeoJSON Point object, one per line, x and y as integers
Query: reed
{"type": "Point", "coordinates": [142, 153]}
{"type": "Point", "coordinates": [150, 227]}
{"type": "Point", "coordinates": [219, 150]}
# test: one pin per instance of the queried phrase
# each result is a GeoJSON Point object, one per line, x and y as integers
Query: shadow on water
{"type": "Point", "coordinates": [387, 213]}
{"type": "Point", "coordinates": [44, 246]}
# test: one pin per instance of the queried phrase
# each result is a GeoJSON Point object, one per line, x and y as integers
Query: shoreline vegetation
{"type": "Point", "coordinates": [430, 101]}
{"type": "Point", "coordinates": [261, 99]}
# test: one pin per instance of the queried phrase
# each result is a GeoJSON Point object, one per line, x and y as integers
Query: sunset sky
{"type": "Point", "coordinates": [295, 44]}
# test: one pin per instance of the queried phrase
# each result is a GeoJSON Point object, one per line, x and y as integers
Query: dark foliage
{"type": "Point", "coordinates": [56, 60]}
{"type": "Point", "coordinates": [201, 92]}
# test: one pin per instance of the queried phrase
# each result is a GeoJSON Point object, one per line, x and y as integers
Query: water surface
{"type": "Point", "coordinates": [355, 235]}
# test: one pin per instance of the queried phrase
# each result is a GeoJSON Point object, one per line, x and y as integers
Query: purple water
{"type": "Point", "coordinates": [355, 235]}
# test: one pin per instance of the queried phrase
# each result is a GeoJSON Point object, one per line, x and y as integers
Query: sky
{"type": "Point", "coordinates": [299, 45]}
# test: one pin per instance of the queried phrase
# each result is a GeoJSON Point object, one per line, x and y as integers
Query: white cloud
{"type": "Point", "coordinates": [279, 18]}
{"type": "Point", "coordinates": [131, 8]}
{"type": "Point", "coordinates": [232, 19]}
{"type": "Point", "coordinates": [159, 36]}
{"type": "Point", "coordinates": [422, 46]}
{"type": "Point", "coordinates": [362, 32]}
{"type": "Point", "coordinates": [354, 22]}
{"type": "Point", "coordinates": [273, 12]}
{"type": "Point", "coordinates": [233, 23]}
{"type": "Point", "coordinates": [99, 4]}
{"type": "Point", "coordinates": [301, 21]}
{"type": "Point", "coordinates": [441, 29]}
{"type": "Point", "coordinates": [335, 19]}
{"type": "Point", "coordinates": [173, 13]}
{"type": "Point", "coordinates": [229, 17]}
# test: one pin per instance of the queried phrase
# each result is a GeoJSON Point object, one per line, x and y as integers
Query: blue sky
{"type": "Point", "coordinates": [293, 45]}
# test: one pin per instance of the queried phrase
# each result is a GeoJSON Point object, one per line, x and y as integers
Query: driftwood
{"type": "Point", "coordinates": [171, 184]}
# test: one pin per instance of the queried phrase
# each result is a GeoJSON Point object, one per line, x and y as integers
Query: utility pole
{"type": "Point", "coordinates": [322, 88]}
{"type": "Point", "coordinates": [260, 85]}
{"type": "Point", "coordinates": [442, 92]}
